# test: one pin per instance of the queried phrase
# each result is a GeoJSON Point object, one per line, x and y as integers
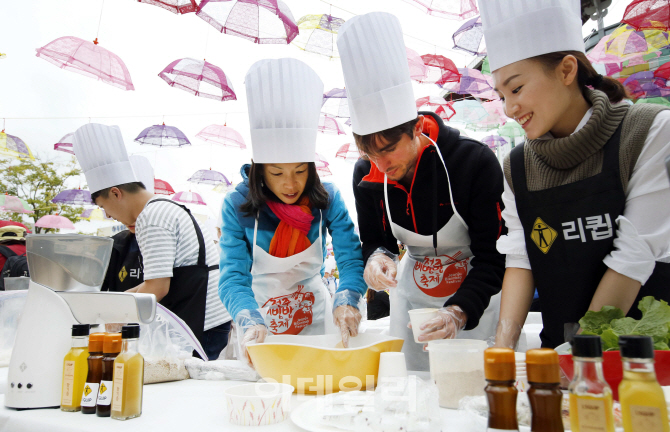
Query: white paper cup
{"type": "Point", "coordinates": [259, 403]}
{"type": "Point", "coordinates": [419, 316]}
{"type": "Point", "coordinates": [392, 365]}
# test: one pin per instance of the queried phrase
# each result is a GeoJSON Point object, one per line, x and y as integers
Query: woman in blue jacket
{"type": "Point", "coordinates": [273, 241]}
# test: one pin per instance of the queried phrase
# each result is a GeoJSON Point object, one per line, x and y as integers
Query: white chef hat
{"type": "Point", "coordinates": [516, 30]}
{"type": "Point", "coordinates": [143, 171]}
{"type": "Point", "coordinates": [102, 156]}
{"type": "Point", "coordinates": [284, 99]}
{"type": "Point", "coordinates": [376, 72]}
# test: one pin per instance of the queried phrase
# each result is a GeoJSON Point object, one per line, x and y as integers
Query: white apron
{"type": "Point", "coordinates": [290, 290]}
{"type": "Point", "coordinates": [427, 280]}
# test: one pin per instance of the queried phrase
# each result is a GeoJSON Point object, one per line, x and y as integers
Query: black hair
{"type": "Point", "coordinates": [133, 187]}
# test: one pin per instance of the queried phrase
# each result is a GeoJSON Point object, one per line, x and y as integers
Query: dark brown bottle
{"type": "Point", "coordinates": [500, 373]}
{"type": "Point", "coordinates": [544, 395]}
{"type": "Point", "coordinates": [92, 386]}
{"type": "Point", "coordinates": [111, 348]}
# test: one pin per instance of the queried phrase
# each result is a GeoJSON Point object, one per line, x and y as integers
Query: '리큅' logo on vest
{"type": "Point", "coordinates": [543, 235]}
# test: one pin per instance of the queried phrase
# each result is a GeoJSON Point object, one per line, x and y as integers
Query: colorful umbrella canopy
{"type": "Point", "coordinates": [663, 71]}
{"type": "Point", "coordinates": [14, 146]}
{"type": "Point", "coordinates": [648, 14]}
{"type": "Point", "coordinates": [335, 103]}
{"type": "Point", "coordinates": [162, 136]}
{"type": "Point", "coordinates": [494, 141]}
{"type": "Point", "coordinates": [12, 204]}
{"type": "Point", "coordinates": [646, 85]}
{"type": "Point", "coordinates": [188, 198]}
{"type": "Point", "coordinates": [437, 104]}
{"type": "Point", "coordinates": [322, 166]}
{"type": "Point", "coordinates": [417, 68]}
{"type": "Point", "coordinates": [259, 21]}
{"type": "Point", "coordinates": [73, 197]}
{"type": "Point", "coordinates": [223, 135]}
{"type": "Point", "coordinates": [65, 144]}
{"type": "Point", "coordinates": [88, 59]}
{"type": "Point", "coordinates": [511, 130]}
{"type": "Point", "coordinates": [656, 100]}
{"type": "Point", "coordinates": [54, 221]}
{"type": "Point", "coordinates": [209, 177]}
{"type": "Point", "coordinates": [441, 70]}
{"type": "Point", "coordinates": [161, 187]}
{"type": "Point", "coordinates": [450, 9]}
{"type": "Point", "coordinates": [94, 214]}
{"type": "Point", "coordinates": [222, 188]}
{"type": "Point", "coordinates": [626, 41]}
{"type": "Point", "coordinates": [469, 37]}
{"type": "Point", "coordinates": [472, 82]}
{"type": "Point", "coordinates": [329, 125]}
{"type": "Point", "coordinates": [348, 152]}
{"type": "Point", "coordinates": [495, 118]}
{"type": "Point", "coordinates": [469, 111]}
{"type": "Point", "coordinates": [174, 6]}
{"type": "Point", "coordinates": [199, 78]}
{"type": "Point", "coordinates": [318, 34]}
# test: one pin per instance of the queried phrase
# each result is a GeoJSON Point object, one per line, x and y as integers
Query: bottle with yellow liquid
{"type": "Point", "coordinates": [128, 376]}
{"type": "Point", "coordinates": [590, 395]}
{"type": "Point", "coordinates": [75, 369]}
{"type": "Point", "coordinates": [643, 407]}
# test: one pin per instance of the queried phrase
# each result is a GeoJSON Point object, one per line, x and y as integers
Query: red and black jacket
{"type": "Point", "coordinates": [477, 184]}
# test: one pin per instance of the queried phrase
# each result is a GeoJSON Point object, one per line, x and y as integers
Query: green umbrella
{"type": "Point", "coordinates": [486, 69]}
{"type": "Point", "coordinates": [655, 100]}
{"type": "Point", "coordinates": [14, 204]}
{"type": "Point", "coordinates": [511, 130]}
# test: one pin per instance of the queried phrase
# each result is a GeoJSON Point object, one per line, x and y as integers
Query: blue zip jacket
{"type": "Point", "coordinates": [237, 242]}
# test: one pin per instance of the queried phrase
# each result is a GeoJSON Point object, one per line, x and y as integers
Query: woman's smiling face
{"type": "Point", "coordinates": [286, 180]}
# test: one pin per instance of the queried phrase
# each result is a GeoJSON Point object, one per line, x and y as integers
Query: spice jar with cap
{"type": "Point", "coordinates": [500, 373]}
{"type": "Point", "coordinates": [544, 395]}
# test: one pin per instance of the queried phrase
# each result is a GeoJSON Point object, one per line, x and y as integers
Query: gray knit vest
{"type": "Point", "coordinates": [555, 162]}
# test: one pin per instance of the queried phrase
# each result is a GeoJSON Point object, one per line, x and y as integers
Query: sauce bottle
{"type": "Point", "coordinates": [128, 376]}
{"type": "Point", "coordinates": [75, 369]}
{"type": "Point", "coordinates": [111, 347]}
{"type": "Point", "coordinates": [500, 373]}
{"type": "Point", "coordinates": [643, 405]}
{"type": "Point", "coordinates": [590, 395]}
{"type": "Point", "coordinates": [544, 395]}
{"type": "Point", "coordinates": [90, 393]}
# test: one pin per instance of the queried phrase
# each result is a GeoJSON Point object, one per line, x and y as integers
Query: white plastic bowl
{"type": "Point", "coordinates": [258, 404]}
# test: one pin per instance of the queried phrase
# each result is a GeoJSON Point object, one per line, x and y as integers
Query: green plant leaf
{"type": "Point", "coordinates": [610, 340]}
{"type": "Point", "coordinates": [593, 321]}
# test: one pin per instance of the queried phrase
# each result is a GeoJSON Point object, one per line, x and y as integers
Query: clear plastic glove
{"type": "Point", "coordinates": [449, 322]}
{"type": "Point", "coordinates": [250, 327]}
{"type": "Point", "coordinates": [347, 318]}
{"type": "Point", "coordinates": [380, 271]}
{"type": "Point", "coordinates": [508, 333]}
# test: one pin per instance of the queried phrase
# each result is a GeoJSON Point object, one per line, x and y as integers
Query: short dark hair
{"type": "Point", "coordinates": [260, 193]}
{"type": "Point", "coordinates": [133, 187]}
{"type": "Point", "coordinates": [367, 144]}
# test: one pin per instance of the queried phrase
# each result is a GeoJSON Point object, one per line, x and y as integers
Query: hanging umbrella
{"type": "Point", "coordinates": [223, 135]}
{"type": "Point", "coordinates": [648, 14]}
{"type": "Point", "coordinates": [161, 187]}
{"type": "Point", "coordinates": [449, 9]}
{"type": "Point", "coordinates": [322, 166]}
{"type": "Point", "coordinates": [441, 70]}
{"type": "Point", "coordinates": [330, 125]}
{"type": "Point", "coordinates": [469, 111]}
{"type": "Point", "coordinates": [12, 204]}
{"type": "Point", "coordinates": [626, 41]}
{"type": "Point", "coordinates": [174, 6]}
{"type": "Point", "coordinates": [94, 214]}
{"type": "Point", "coordinates": [65, 144]}
{"type": "Point", "coordinates": [209, 177]}
{"type": "Point", "coordinates": [469, 36]}
{"type": "Point", "coordinates": [73, 197]}
{"type": "Point", "coordinates": [646, 85]}
{"type": "Point", "coordinates": [318, 34]}
{"type": "Point", "coordinates": [472, 82]}
{"type": "Point", "coordinates": [486, 68]}
{"type": "Point", "coordinates": [199, 78]}
{"type": "Point", "coordinates": [259, 21]}
{"type": "Point", "coordinates": [188, 198]}
{"type": "Point", "coordinates": [437, 104]}
{"type": "Point", "coordinates": [494, 141]}
{"type": "Point", "coordinates": [14, 146]}
{"type": "Point", "coordinates": [496, 117]}
{"type": "Point", "coordinates": [655, 100]}
{"type": "Point", "coordinates": [162, 136]}
{"type": "Point", "coordinates": [335, 103]}
{"type": "Point", "coordinates": [88, 59]}
{"type": "Point", "coordinates": [663, 72]}
{"type": "Point", "coordinates": [417, 68]}
{"type": "Point", "coordinates": [348, 152]}
{"type": "Point", "coordinates": [222, 188]}
{"type": "Point", "coordinates": [512, 130]}
{"type": "Point", "coordinates": [55, 222]}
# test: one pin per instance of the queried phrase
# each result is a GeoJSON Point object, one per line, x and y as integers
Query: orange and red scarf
{"type": "Point", "coordinates": [290, 236]}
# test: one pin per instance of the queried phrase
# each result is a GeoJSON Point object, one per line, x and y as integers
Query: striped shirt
{"type": "Point", "coordinates": [167, 239]}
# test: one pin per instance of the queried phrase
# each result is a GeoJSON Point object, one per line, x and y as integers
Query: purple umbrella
{"type": "Point", "coordinates": [73, 196]}
{"type": "Point", "coordinates": [259, 21]}
{"type": "Point", "coordinates": [335, 103]}
{"type": "Point", "coordinates": [14, 146]}
{"type": "Point", "coordinates": [162, 136]}
{"type": "Point", "coordinates": [329, 125]}
{"type": "Point", "coordinates": [65, 144]}
{"type": "Point", "coordinates": [469, 37]}
{"type": "Point", "coordinates": [450, 9]}
{"type": "Point", "coordinates": [209, 177]}
{"type": "Point", "coordinates": [188, 198]}
{"type": "Point", "coordinates": [318, 34]}
{"type": "Point", "coordinates": [494, 141]}
{"type": "Point", "coordinates": [646, 85]}
{"type": "Point", "coordinates": [199, 78]}
{"type": "Point", "coordinates": [472, 82]}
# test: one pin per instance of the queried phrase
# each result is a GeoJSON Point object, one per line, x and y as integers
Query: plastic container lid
{"type": "Point", "coordinates": [95, 342]}
{"type": "Point", "coordinates": [112, 343]}
{"type": "Point", "coordinates": [542, 366]}
{"type": "Point", "coordinates": [131, 331]}
{"type": "Point", "coordinates": [499, 364]}
{"type": "Point", "coordinates": [587, 346]}
{"type": "Point", "coordinates": [641, 347]}
{"type": "Point", "coordinates": [80, 329]}
{"type": "Point", "coordinates": [457, 345]}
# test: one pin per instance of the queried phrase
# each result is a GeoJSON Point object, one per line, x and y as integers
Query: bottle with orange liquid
{"type": "Point", "coordinates": [128, 376]}
{"type": "Point", "coordinates": [75, 369]}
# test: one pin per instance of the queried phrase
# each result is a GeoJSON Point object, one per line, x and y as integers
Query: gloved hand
{"type": "Point", "coordinates": [507, 334]}
{"type": "Point", "coordinates": [250, 327]}
{"type": "Point", "coordinates": [256, 334]}
{"type": "Point", "coordinates": [380, 271]}
{"type": "Point", "coordinates": [449, 322]}
{"type": "Point", "coordinates": [347, 318]}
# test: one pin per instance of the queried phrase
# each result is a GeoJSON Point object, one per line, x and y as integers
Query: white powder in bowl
{"type": "Point", "coordinates": [453, 386]}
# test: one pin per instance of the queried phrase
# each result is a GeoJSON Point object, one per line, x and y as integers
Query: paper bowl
{"type": "Point", "coordinates": [258, 404]}
{"type": "Point", "coordinates": [314, 364]}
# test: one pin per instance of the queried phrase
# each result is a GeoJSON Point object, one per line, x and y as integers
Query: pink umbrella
{"type": "Point", "coordinates": [223, 135]}
{"type": "Point", "coordinates": [188, 198]}
{"type": "Point", "coordinates": [417, 68]}
{"type": "Point", "coordinates": [441, 70]}
{"type": "Point", "coordinates": [260, 21]}
{"type": "Point", "coordinates": [348, 152]}
{"type": "Point", "coordinates": [322, 166]}
{"type": "Point", "coordinates": [65, 144]}
{"type": "Point", "coordinates": [161, 187]}
{"type": "Point", "coordinates": [12, 204]}
{"type": "Point", "coordinates": [199, 78]}
{"type": "Point", "coordinates": [55, 222]}
{"type": "Point", "coordinates": [434, 103]}
{"type": "Point", "coordinates": [450, 9]}
{"type": "Point", "coordinates": [89, 59]}
{"type": "Point", "coordinates": [174, 6]}
{"type": "Point", "coordinates": [330, 125]}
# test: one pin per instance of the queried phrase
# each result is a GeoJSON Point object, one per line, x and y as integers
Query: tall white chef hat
{"type": "Point", "coordinates": [376, 72]}
{"type": "Point", "coordinates": [519, 29]}
{"type": "Point", "coordinates": [102, 156]}
{"type": "Point", "coordinates": [143, 171]}
{"type": "Point", "coordinates": [284, 99]}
